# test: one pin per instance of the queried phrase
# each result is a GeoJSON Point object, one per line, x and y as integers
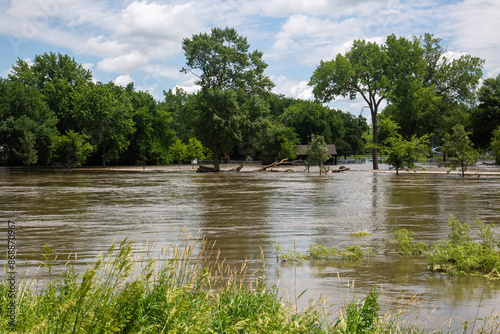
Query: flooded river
{"type": "Point", "coordinates": [83, 211]}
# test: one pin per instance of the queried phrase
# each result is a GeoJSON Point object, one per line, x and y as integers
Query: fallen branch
{"type": "Point", "coordinates": [237, 169]}
{"type": "Point", "coordinates": [276, 164]}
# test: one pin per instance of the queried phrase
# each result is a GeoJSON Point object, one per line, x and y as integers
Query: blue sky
{"type": "Point", "coordinates": [141, 41]}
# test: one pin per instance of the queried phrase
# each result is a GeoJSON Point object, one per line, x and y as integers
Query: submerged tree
{"type": "Point", "coordinates": [459, 148]}
{"type": "Point", "coordinates": [415, 78]}
{"type": "Point", "coordinates": [232, 100]}
{"type": "Point", "coordinates": [362, 70]}
{"type": "Point", "coordinates": [317, 153]}
{"type": "Point", "coordinates": [401, 153]}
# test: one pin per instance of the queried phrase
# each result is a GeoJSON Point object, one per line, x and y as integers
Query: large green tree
{"type": "Point", "coordinates": [429, 87]}
{"type": "Point", "coordinates": [413, 76]}
{"type": "Point", "coordinates": [363, 70]}
{"type": "Point", "coordinates": [27, 125]}
{"type": "Point", "coordinates": [401, 153]}
{"type": "Point", "coordinates": [234, 88]}
{"type": "Point", "coordinates": [276, 141]}
{"type": "Point", "coordinates": [60, 79]}
{"type": "Point", "coordinates": [106, 113]}
{"type": "Point", "coordinates": [459, 148]}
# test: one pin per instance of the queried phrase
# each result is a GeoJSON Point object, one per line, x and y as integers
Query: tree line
{"type": "Point", "coordinates": [52, 112]}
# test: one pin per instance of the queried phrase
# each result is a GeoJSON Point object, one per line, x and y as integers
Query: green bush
{"type": "Point", "coordinates": [406, 244]}
{"type": "Point", "coordinates": [460, 254]}
{"type": "Point", "coordinates": [317, 252]}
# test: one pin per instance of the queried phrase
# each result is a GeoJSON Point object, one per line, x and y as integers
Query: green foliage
{"type": "Point", "coordinates": [362, 70]}
{"type": "Point", "coordinates": [360, 316]}
{"type": "Point", "coordinates": [317, 153]}
{"type": "Point", "coordinates": [27, 125]}
{"type": "Point", "coordinates": [232, 101]}
{"type": "Point", "coordinates": [352, 142]}
{"type": "Point", "coordinates": [428, 85]}
{"type": "Point", "coordinates": [153, 130]}
{"type": "Point", "coordinates": [460, 254]}
{"type": "Point", "coordinates": [60, 79]}
{"type": "Point", "coordinates": [178, 151]}
{"type": "Point", "coordinates": [406, 244]}
{"type": "Point", "coordinates": [359, 234]}
{"type": "Point", "coordinates": [106, 112]}
{"type": "Point", "coordinates": [320, 252]}
{"type": "Point", "coordinates": [495, 144]}
{"type": "Point", "coordinates": [486, 117]}
{"type": "Point", "coordinates": [401, 153]}
{"type": "Point", "coordinates": [223, 61]}
{"type": "Point", "coordinates": [26, 151]}
{"type": "Point", "coordinates": [182, 108]}
{"type": "Point", "coordinates": [71, 149]}
{"type": "Point", "coordinates": [413, 75]}
{"type": "Point", "coordinates": [458, 147]}
{"type": "Point", "coordinates": [276, 141]}
{"type": "Point", "coordinates": [317, 251]}
{"type": "Point", "coordinates": [355, 252]}
{"type": "Point", "coordinates": [195, 150]}
{"type": "Point", "coordinates": [181, 295]}
{"type": "Point", "coordinates": [308, 118]}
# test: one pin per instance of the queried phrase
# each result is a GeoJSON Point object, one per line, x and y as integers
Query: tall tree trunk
{"type": "Point", "coordinates": [375, 140]}
{"type": "Point", "coordinates": [215, 159]}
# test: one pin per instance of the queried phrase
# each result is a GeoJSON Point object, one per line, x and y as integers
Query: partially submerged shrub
{"type": "Point", "coordinates": [320, 252]}
{"type": "Point", "coordinates": [359, 234]}
{"type": "Point", "coordinates": [406, 244]}
{"type": "Point", "coordinates": [317, 251]}
{"type": "Point", "coordinates": [460, 254]}
{"type": "Point", "coordinates": [355, 252]}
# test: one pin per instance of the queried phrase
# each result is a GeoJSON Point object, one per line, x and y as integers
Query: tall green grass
{"type": "Point", "coordinates": [184, 288]}
{"type": "Point", "coordinates": [186, 291]}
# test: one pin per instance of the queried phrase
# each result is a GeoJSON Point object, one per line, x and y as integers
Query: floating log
{"type": "Point", "coordinates": [341, 169]}
{"type": "Point", "coordinates": [206, 169]}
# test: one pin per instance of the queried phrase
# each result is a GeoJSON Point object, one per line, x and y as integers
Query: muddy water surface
{"type": "Point", "coordinates": [82, 212]}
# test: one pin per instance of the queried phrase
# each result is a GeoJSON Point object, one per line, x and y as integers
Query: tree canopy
{"type": "Point", "coordinates": [232, 101]}
{"type": "Point", "coordinates": [413, 76]}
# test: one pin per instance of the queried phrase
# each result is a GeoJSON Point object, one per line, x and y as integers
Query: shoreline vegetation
{"type": "Point", "coordinates": [187, 287]}
{"type": "Point", "coordinates": [482, 168]}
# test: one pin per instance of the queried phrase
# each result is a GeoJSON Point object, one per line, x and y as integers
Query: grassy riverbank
{"type": "Point", "coordinates": [186, 289]}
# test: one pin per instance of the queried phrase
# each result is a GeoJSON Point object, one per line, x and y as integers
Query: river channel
{"type": "Point", "coordinates": [83, 211]}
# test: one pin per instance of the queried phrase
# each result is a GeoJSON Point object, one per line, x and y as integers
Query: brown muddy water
{"type": "Point", "coordinates": [83, 211]}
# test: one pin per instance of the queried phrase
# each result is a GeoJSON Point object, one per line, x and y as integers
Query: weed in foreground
{"type": "Point", "coordinates": [183, 291]}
